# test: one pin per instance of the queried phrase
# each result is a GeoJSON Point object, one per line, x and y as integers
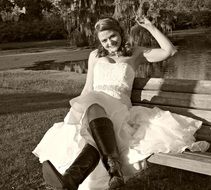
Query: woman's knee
{"type": "Point", "coordinates": [95, 111]}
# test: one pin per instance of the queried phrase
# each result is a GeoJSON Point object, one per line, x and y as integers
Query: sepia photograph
{"type": "Point", "coordinates": [105, 94]}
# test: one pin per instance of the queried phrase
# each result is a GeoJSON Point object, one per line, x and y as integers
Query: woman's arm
{"type": "Point", "coordinates": [158, 54]}
{"type": "Point", "coordinates": [89, 78]}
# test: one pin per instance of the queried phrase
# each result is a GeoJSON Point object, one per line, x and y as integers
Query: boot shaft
{"type": "Point", "coordinates": [104, 136]}
{"type": "Point", "coordinates": [84, 164]}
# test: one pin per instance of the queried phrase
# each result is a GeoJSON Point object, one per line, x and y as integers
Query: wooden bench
{"type": "Point", "coordinates": [187, 97]}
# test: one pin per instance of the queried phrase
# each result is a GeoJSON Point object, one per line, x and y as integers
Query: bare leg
{"type": "Point", "coordinates": [95, 111]}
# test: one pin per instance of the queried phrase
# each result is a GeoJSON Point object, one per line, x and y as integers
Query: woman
{"type": "Point", "coordinates": [102, 122]}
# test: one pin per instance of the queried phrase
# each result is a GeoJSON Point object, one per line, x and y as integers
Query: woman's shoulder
{"type": "Point", "coordinates": [93, 57]}
{"type": "Point", "coordinates": [94, 53]}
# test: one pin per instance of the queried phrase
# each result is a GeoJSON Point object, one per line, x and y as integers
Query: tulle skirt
{"type": "Point", "coordinates": [139, 132]}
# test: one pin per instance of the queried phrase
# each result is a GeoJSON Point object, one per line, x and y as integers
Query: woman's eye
{"type": "Point", "coordinates": [113, 36]}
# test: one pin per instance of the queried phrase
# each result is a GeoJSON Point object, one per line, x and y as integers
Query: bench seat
{"type": "Point", "coordinates": [186, 97]}
{"type": "Point", "coordinates": [191, 161]}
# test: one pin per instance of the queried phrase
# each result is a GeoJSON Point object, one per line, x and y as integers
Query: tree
{"type": "Point", "coordinates": [34, 8]}
{"type": "Point", "coordinates": [79, 17]}
{"type": "Point", "coordinates": [6, 5]}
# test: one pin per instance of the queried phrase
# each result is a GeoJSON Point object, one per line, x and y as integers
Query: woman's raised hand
{"type": "Point", "coordinates": [144, 22]}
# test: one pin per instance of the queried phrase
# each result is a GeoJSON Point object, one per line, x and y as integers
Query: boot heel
{"type": "Point", "coordinates": [116, 182]}
{"type": "Point", "coordinates": [51, 176]}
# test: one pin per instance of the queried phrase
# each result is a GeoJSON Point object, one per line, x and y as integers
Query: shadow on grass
{"type": "Point", "coordinates": [158, 177]}
{"type": "Point", "coordinates": [78, 66]}
{"type": "Point", "coordinates": [49, 65]}
{"type": "Point", "coordinates": [30, 102]}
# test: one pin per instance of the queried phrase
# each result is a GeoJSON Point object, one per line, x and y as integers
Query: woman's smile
{"type": "Point", "coordinates": [110, 40]}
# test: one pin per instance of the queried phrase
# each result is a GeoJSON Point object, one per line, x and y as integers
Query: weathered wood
{"type": "Point", "coordinates": [188, 100]}
{"type": "Point", "coordinates": [204, 133]}
{"type": "Point", "coordinates": [173, 85]}
{"type": "Point", "coordinates": [195, 162]}
{"type": "Point", "coordinates": [203, 115]}
{"type": "Point", "coordinates": [187, 97]}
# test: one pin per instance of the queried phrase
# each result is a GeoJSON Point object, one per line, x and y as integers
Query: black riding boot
{"type": "Point", "coordinates": [103, 134]}
{"type": "Point", "coordinates": [83, 165]}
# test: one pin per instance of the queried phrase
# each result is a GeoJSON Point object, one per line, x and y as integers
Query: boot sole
{"type": "Point", "coordinates": [116, 183]}
{"type": "Point", "coordinates": [52, 176]}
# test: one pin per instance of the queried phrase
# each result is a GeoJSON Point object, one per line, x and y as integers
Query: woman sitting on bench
{"type": "Point", "coordinates": [102, 122]}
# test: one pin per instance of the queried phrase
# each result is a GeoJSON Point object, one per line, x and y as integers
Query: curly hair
{"type": "Point", "coordinates": [110, 23]}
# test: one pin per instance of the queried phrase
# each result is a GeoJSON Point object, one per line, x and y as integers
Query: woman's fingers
{"type": "Point", "coordinates": [144, 22]}
{"type": "Point", "coordinates": [141, 21]}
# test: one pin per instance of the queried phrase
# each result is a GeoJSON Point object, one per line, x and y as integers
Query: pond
{"type": "Point", "coordinates": [192, 61]}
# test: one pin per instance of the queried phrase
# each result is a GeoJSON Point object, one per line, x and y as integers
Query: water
{"type": "Point", "coordinates": [192, 61]}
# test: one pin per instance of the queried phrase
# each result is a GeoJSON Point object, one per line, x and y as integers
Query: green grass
{"type": "Point", "coordinates": [31, 102]}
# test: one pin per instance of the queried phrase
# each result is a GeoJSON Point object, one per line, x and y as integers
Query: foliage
{"type": "Point", "coordinates": [6, 5]}
{"type": "Point", "coordinates": [28, 31]}
{"type": "Point", "coordinates": [79, 16]}
{"type": "Point", "coordinates": [201, 18]}
{"type": "Point", "coordinates": [33, 8]}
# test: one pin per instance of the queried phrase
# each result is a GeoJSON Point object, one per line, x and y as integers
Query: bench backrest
{"type": "Point", "coordinates": [187, 97]}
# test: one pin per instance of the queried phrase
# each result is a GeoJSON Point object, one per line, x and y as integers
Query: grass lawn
{"type": "Point", "coordinates": [33, 44]}
{"type": "Point", "coordinates": [20, 132]}
{"type": "Point", "coordinates": [31, 101]}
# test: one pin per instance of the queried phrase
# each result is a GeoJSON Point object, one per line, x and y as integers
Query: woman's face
{"type": "Point", "coordinates": [110, 40]}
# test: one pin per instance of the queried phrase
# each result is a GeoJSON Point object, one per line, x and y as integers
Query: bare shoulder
{"type": "Point", "coordinates": [93, 54]}
{"type": "Point", "coordinates": [93, 57]}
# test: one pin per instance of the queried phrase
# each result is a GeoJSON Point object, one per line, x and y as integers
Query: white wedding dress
{"type": "Point", "coordinates": [139, 131]}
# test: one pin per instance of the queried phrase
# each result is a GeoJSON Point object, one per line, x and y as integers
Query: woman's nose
{"type": "Point", "coordinates": [109, 42]}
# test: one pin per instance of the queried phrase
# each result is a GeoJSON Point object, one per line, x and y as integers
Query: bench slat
{"type": "Point", "coordinates": [197, 101]}
{"type": "Point", "coordinates": [203, 115]}
{"type": "Point", "coordinates": [173, 85]}
{"type": "Point", "coordinates": [187, 97]}
{"type": "Point", "coordinates": [200, 163]}
{"type": "Point", "coordinates": [204, 133]}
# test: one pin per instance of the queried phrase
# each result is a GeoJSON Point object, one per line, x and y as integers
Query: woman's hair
{"type": "Point", "coordinates": [110, 23]}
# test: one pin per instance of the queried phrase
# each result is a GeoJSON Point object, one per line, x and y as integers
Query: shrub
{"type": "Point", "coordinates": [28, 31]}
{"type": "Point", "coordinates": [193, 20]}
{"type": "Point", "coordinates": [202, 18]}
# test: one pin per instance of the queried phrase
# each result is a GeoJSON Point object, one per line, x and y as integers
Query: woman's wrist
{"type": "Point", "coordinates": [152, 28]}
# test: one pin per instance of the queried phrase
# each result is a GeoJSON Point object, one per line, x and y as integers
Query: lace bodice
{"type": "Point", "coordinates": [115, 79]}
